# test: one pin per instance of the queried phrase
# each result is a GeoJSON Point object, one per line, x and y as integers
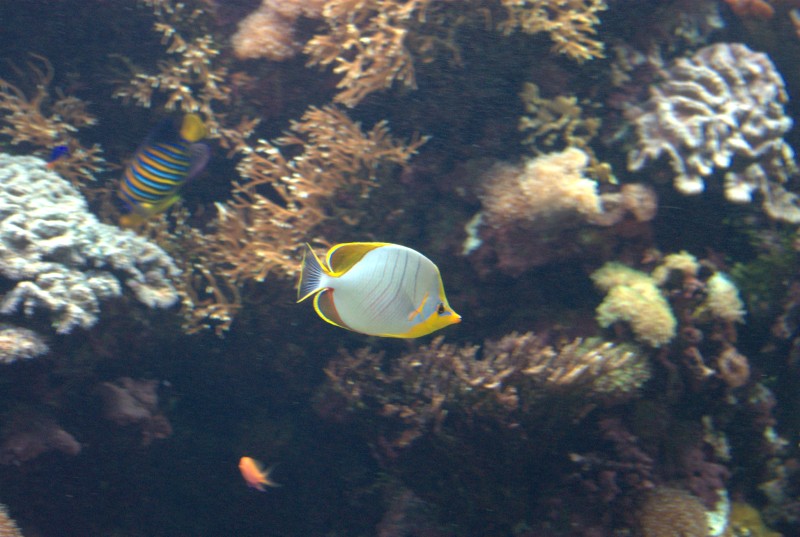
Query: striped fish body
{"type": "Point", "coordinates": [160, 167]}
{"type": "Point", "coordinates": [377, 289]}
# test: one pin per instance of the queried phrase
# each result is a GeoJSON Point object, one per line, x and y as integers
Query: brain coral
{"type": "Point", "coordinates": [56, 256]}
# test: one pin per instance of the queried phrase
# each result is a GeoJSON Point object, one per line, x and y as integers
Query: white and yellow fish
{"type": "Point", "coordinates": [376, 288]}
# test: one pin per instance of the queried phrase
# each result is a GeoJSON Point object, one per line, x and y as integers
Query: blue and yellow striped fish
{"type": "Point", "coordinates": [168, 158]}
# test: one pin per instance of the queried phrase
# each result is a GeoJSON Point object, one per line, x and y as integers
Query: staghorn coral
{"type": "Point", "coordinates": [513, 381]}
{"type": "Point", "coordinates": [721, 109]}
{"type": "Point", "coordinates": [19, 344]}
{"type": "Point", "coordinates": [58, 257]}
{"type": "Point", "coordinates": [570, 24]}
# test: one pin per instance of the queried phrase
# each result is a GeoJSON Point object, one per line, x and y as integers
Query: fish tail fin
{"type": "Point", "coordinates": [311, 273]}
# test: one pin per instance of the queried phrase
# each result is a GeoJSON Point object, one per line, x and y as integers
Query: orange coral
{"type": "Point", "coordinates": [760, 9]}
{"type": "Point", "coordinates": [282, 199]}
{"type": "Point", "coordinates": [8, 528]}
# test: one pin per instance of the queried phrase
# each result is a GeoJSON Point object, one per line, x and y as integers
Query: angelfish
{"type": "Point", "coordinates": [376, 288]}
{"type": "Point", "coordinates": [170, 156]}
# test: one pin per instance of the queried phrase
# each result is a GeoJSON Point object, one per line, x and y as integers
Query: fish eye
{"type": "Point", "coordinates": [440, 308]}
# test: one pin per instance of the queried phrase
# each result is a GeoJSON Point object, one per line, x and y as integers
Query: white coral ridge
{"type": "Point", "coordinates": [58, 257]}
{"type": "Point", "coordinates": [721, 109]}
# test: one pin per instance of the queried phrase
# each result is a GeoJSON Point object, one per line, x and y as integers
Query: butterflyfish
{"type": "Point", "coordinates": [255, 475]}
{"type": "Point", "coordinates": [170, 156]}
{"type": "Point", "coordinates": [376, 288]}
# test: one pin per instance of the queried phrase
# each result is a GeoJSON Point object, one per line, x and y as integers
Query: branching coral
{"type": "Point", "coordinates": [280, 200]}
{"type": "Point", "coordinates": [570, 24]}
{"type": "Point", "coordinates": [721, 108]}
{"type": "Point", "coordinates": [509, 383]}
{"type": "Point", "coordinates": [366, 45]}
{"type": "Point", "coordinates": [191, 80]}
{"type": "Point", "coordinates": [43, 122]}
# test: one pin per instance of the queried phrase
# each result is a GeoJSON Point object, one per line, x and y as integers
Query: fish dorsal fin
{"type": "Point", "coordinates": [323, 303]}
{"type": "Point", "coordinates": [343, 257]}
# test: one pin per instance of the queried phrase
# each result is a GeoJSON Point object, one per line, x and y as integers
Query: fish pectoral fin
{"type": "Point", "coordinates": [325, 308]}
{"type": "Point", "coordinates": [343, 257]}
{"type": "Point", "coordinates": [199, 155]}
{"type": "Point", "coordinates": [418, 311]}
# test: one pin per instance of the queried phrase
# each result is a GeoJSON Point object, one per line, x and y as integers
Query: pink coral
{"type": "Point", "coordinates": [29, 434]}
{"type": "Point", "coordinates": [135, 402]}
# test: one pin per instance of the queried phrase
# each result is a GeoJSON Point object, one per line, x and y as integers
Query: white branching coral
{"type": "Point", "coordinates": [56, 256]}
{"type": "Point", "coordinates": [721, 109]}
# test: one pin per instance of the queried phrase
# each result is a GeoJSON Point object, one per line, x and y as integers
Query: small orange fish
{"type": "Point", "coordinates": [254, 474]}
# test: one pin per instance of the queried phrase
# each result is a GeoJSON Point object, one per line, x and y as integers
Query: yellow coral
{"type": "Point", "coordinates": [722, 301]}
{"type": "Point", "coordinates": [746, 520]}
{"type": "Point", "coordinates": [682, 262]}
{"type": "Point", "coordinates": [634, 298]}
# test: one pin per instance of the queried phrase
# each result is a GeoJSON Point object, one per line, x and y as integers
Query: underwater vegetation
{"type": "Point", "coordinates": [607, 190]}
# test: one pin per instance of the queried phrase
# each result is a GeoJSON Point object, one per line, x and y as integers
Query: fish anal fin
{"type": "Point", "coordinates": [323, 304]}
{"type": "Point", "coordinates": [343, 257]}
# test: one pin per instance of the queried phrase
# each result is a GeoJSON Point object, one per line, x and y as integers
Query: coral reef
{"type": "Point", "coordinates": [135, 402]}
{"type": "Point", "coordinates": [667, 512]}
{"type": "Point", "coordinates": [8, 528]}
{"type": "Point", "coordinates": [721, 109]}
{"type": "Point", "coordinates": [28, 434]}
{"type": "Point", "coordinates": [43, 122]}
{"type": "Point", "coordinates": [570, 23]}
{"type": "Point", "coordinates": [268, 32]}
{"type": "Point", "coordinates": [19, 344]}
{"type": "Point", "coordinates": [61, 259]}
{"type": "Point", "coordinates": [529, 211]}
{"type": "Point", "coordinates": [510, 382]}
{"type": "Point", "coordinates": [633, 297]}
